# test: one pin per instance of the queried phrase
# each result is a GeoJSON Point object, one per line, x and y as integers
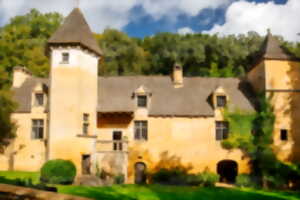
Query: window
{"type": "Point", "coordinates": [117, 137]}
{"type": "Point", "coordinates": [141, 130]}
{"type": "Point", "coordinates": [65, 57]}
{"type": "Point", "coordinates": [142, 101]}
{"type": "Point", "coordinates": [222, 129]}
{"type": "Point", "coordinates": [39, 99]}
{"type": "Point", "coordinates": [85, 126]}
{"type": "Point", "coordinates": [37, 129]}
{"type": "Point", "coordinates": [221, 101]}
{"type": "Point", "coordinates": [283, 134]}
{"type": "Point", "coordinates": [86, 117]}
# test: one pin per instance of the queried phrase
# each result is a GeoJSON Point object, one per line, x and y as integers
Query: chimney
{"type": "Point", "coordinates": [177, 76]}
{"type": "Point", "coordinates": [20, 74]}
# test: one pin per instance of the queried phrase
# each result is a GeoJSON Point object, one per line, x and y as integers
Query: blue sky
{"type": "Point", "coordinates": [204, 20]}
{"type": "Point", "coordinates": [141, 18]}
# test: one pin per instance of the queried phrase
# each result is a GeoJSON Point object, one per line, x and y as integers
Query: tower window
{"type": "Point", "coordinates": [221, 101]}
{"type": "Point", "coordinates": [39, 99]}
{"type": "Point", "coordinates": [283, 134]}
{"type": "Point", "coordinates": [140, 130]}
{"type": "Point", "coordinates": [37, 129]}
{"type": "Point", "coordinates": [85, 125]}
{"type": "Point", "coordinates": [222, 129]}
{"type": "Point", "coordinates": [142, 101]}
{"type": "Point", "coordinates": [65, 57]}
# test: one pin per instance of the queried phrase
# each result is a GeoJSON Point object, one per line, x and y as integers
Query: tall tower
{"type": "Point", "coordinates": [74, 57]}
{"type": "Point", "coordinates": [277, 74]}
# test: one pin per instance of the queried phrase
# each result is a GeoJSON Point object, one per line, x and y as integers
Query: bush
{"type": "Point", "coordinates": [58, 172]}
{"type": "Point", "coordinates": [170, 176]}
{"type": "Point", "coordinates": [208, 179]}
{"type": "Point", "coordinates": [245, 180]}
{"type": "Point", "coordinates": [119, 179]}
{"type": "Point", "coordinates": [181, 177]}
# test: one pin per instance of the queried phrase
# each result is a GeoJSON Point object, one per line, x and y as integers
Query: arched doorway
{"type": "Point", "coordinates": [140, 173]}
{"type": "Point", "coordinates": [228, 170]}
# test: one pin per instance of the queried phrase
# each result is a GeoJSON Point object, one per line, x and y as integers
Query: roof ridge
{"type": "Point", "coordinates": [75, 30]}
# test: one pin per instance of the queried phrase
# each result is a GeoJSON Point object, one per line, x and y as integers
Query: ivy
{"type": "Point", "coordinates": [253, 134]}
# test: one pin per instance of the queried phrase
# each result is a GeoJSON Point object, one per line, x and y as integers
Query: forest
{"type": "Point", "coordinates": [23, 41]}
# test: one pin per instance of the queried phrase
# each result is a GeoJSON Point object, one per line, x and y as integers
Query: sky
{"type": "Point", "coordinates": [140, 18]}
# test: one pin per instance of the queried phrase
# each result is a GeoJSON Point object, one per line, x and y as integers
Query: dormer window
{"type": "Point", "coordinates": [39, 99]}
{"type": "Point", "coordinates": [221, 101]}
{"type": "Point", "coordinates": [65, 57]}
{"type": "Point", "coordinates": [142, 101]}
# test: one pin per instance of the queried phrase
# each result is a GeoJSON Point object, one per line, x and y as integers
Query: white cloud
{"type": "Point", "coordinates": [109, 13]}
{"type": "Point", "coordinates": [100, 14]}
{"type": "Point", "coordinates": [185, 30]}
{"type": "Point", "coordinates": [173, 8]}
{"type": "Point", "coordinates": [243, 16]}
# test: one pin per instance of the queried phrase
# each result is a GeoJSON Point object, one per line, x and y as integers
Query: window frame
{"type": "Point", "coordinates": [36, 101]}
{"type": "Point", "coordinates": [117, 146]}
{"type": "Point", "coordinates": [141, 130]}
{"type": "Point", "coordinates": [37, 129]}
{"type": "Point", "coordinates": [221, 130]}
{"type": "Point", "coordinates": [65, 58]}
{"type": "Point", "coordinates": [221, 101]}
{"type": "Point", "coordinates": [85, 123]}
{"type": "Point", "coordinates": [142, 101]}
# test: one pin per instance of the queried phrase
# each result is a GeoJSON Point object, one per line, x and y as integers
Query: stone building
{"type": "Point", "coordinates": [133, 124]}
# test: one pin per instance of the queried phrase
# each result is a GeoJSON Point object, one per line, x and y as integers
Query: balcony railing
{"type": "Point", "coordinates": [116, 146]}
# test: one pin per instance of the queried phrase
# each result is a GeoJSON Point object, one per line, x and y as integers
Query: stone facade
{"type": "Point", "coordinates": [119, 124]}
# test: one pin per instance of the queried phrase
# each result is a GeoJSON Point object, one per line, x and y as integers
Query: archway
{"type": "Point", "coordinates": [140, 173]}
{"type": "Point", "coordinates": [228, 170]}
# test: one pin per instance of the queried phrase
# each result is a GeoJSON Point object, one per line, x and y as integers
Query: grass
{"type": "Point", "coordinates": [158, 192]}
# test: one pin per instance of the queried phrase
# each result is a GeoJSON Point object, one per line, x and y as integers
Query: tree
{"type": "Point", "coordinates": [122, 55]}
{"type": "Point", "coordinates": [23, 41]}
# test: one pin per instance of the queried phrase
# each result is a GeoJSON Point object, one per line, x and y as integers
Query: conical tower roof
{"type": "Point", "coordinates": [272, 49]}
{"type": "Point", "coordinates": [75, 31]}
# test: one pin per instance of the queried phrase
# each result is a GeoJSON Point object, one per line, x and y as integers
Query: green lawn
{"type": "Point", "coordinates": [158, 192]}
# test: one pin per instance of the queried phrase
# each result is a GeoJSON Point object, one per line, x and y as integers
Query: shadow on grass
{"type": "Point", "coordinates": [158, 192]}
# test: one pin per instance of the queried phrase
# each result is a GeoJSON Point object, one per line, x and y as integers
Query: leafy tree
{"type": "Point", "coordinates": [23, 40]}
{"type": "Point", "coordinates": [122, 56]}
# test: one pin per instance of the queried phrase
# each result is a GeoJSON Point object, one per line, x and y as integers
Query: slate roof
{"type": "Point", "coordinates": [193, 99]}
{"type": "Point", "coordinates": [271, 49]}
{"type": "Point", "coordinates": [23, 94]}
{"type": "Point", "coordinates": [115, 94]}
{"type": "Point", "coordinates": [75, 31]}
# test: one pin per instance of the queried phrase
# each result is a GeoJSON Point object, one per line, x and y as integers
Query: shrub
{"type": "Point", "coordinates": [58, 172]}
{"type": "Point", "coordinates": [119, 179]}
{"type": "Point", "coordinates": [245, 180]}
{"type": "Point", "coordinates": [208, 179]}
{"type": "Point", "coordinates": [181, 177]}
{"type": "Point", "coordinates": [173, 176]}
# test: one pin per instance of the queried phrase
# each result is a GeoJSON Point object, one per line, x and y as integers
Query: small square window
{"type": "Point", "coordinates": [221, 101]}
{"type": "Point", "coordinates": [39, 99]}
{"type": "Point", "coordinates": [86, 117]}
{"type": "Point", "coordinates": [142, 101]}
{"type": "Point", "coordinates": [283, 134]}
{"type": "Point", "coordinates": [65, 57]}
